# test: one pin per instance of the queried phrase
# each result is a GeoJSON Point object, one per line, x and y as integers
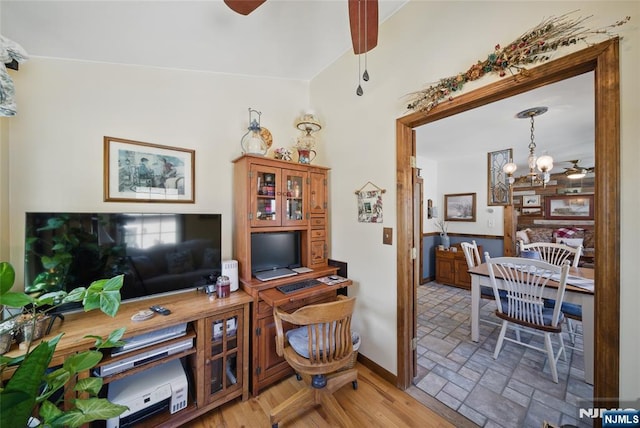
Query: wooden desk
{"type": "Point", "coordinates": [266, 366]}
{"type": "Point", "coordinates": [580, 296]}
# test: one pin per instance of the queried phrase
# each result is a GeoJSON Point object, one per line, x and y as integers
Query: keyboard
{"type": "Point", "coordinates": [290, 288]}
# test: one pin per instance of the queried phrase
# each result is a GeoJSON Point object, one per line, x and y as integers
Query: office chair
{"type": "Point", "coordinates": [317, 351]}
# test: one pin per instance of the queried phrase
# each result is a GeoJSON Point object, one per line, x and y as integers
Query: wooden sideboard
{"type": "Point", "coordinates": [451, 267]}
{"type": "Point", "coordinates": [216, 351]}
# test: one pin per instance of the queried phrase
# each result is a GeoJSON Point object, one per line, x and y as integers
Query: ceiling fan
{"type": "Point", "coordinates": [576, 171]}
{"type": "Point", "coordinates": [363, 22]}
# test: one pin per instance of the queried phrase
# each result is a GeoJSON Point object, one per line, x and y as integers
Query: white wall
{"type": "Point", "coordinates": [66, 107]}
{"type": "Point", "coordinates": [422, 43]}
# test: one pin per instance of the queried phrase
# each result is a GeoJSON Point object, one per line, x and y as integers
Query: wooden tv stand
{"type": "Point", "coordinates": [205, 362]}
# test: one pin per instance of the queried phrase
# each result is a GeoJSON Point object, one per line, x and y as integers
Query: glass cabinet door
{"type": "Point", "coordinates": [265, 194]}
{"type": "Point", "coordinates": [224, 359]}
{"type": "Point", "coordinates": [294, 197]}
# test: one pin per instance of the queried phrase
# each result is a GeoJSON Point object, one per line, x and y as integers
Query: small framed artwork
{"type": "Point", "coordinates": [498, 182]}
{"type": "Point", "coordinates": [569, 207]}
{"type": "Point", "coordinates": [532, 211]}
{"type": "Point", "coordinates": [531, 201]}
{"type": "Point", "coordinates": [143, 172]}
{"type": "Point", "coordinates": [460, 207]}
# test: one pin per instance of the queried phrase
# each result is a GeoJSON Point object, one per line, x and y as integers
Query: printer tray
{"type": "Point", "coordinates": [147, 412]}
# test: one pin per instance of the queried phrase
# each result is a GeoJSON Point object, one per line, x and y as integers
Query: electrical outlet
{"type": "Point", "coordinates": [491, 223]}
{"type": "Point", "coordinates": [387, 235]}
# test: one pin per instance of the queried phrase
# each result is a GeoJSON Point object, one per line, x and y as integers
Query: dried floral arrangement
{"type": "Point", "coordinates": [534, 46]}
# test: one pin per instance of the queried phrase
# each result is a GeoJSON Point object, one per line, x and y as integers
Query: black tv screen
{"type": "Point", "coordinates": [272, 250]}
{"type": "Point", "coordinates": [157, 252]}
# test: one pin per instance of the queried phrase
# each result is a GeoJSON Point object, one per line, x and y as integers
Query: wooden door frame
{"type": "Point", "coordinates": [603, 59]}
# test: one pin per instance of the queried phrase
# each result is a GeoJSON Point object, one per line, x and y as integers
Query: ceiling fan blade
{"type": "Point", "coordinates": [244, 7]}
{"type": "Point", "coordinates": [361, 22]}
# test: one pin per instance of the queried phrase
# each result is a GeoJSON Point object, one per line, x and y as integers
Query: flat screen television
{"type": "Point", "coordinates": [157, 252]}
{"type": "Point", "coordinates": [273, 250]}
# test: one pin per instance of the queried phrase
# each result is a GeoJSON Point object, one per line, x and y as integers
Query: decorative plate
{"type": "Point", "coordinates": [266, 136]}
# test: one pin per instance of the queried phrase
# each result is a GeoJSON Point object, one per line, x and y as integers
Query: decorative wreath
{"type": "Point", "coordinates": [532, 47]}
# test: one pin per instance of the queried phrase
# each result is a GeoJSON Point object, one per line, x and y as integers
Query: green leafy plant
{"type": "Point", "coordinates": [32, 387]}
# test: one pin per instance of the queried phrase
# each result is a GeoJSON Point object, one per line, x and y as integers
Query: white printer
{"type": "Point", "coordinates": [160, 388]}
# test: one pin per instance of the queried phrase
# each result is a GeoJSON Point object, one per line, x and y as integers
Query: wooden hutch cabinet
{"type": "Point", "coordinates": [274, 196]}
{"type": "Point", "coordinates": [451, 267]}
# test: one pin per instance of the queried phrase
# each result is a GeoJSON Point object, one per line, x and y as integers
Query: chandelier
{"type": "Point", "coordinates": [544, 163]}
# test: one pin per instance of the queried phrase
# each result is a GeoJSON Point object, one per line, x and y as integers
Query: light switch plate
{"type": "Point", "coordinates": [387, 235]}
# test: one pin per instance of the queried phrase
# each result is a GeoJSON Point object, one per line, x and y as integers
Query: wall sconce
{"type": "Point", "coordinates": [252, 142]}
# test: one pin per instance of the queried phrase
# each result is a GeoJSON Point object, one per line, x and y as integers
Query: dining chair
{"type": "Point", "coordinates": [320, 350]}
{"type": "Point", "coordinates": [554, 253]}
{"type": "Point", "coordinates": [472, 256]}
{"type": "Point", "coordinates": [557, 254]}
{"type": "Point", "coordinates": [524, 281]}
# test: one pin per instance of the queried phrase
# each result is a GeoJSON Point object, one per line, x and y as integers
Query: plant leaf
{"type": "Point", "coordinates": [82, 361]}
{"type": "Point", "coordinates": [92, 385]}
{"type": "Point", "coordinates": [7, 277]}
{"type": "Point", "coordinates": [49, 411]}
{"type": "Point", "coordinates": [88, 410]}
{"type": "Point", "coordinates": [16, 300]}
{"type": "Point", "coordinates": [54, 381]}
{"type": "Point", "coordinates": [26, 378]}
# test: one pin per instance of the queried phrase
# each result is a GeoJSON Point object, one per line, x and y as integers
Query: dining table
{"type": "Point", "coordinates": [582, 293]}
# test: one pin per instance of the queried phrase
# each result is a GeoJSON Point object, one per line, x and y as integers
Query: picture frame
{"type": "Point", "coordinates": [531, 200]}
{"type": "Point", "coordinates": [569, 207]}
{"type": "Point", "coordinates": [498, 192]}
{"type": "Point", "coordinates": [369, 206]}
{"type": "Point", "coordinates": [531, 211]}
{"type": "Point", "coordinates": [136, 171]}
{"type": "Point", "coordinates": [460, 207]}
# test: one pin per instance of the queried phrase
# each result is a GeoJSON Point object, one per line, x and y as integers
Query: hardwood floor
{"type": "Point", "coordinates": [376, 403]}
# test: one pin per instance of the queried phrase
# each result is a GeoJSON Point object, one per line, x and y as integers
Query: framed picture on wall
{"type": "Point", "coordinates": [460, 207]}
{"type": "Point", "coordinates": [531, 200]}
{"type": "Point", "coordinates": [569, 207]}
{"type": "Point", "coordinates": [143, 172]}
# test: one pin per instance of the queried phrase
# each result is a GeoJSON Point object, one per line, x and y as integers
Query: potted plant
{"type": "Point", "coordinates": [444, 238]}
{"type": "Point", "coordinates": [31, 390]}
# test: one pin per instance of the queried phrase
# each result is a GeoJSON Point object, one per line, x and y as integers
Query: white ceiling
{"type": "Point", "coordinates": [566, 131]}
{"type": "Point", "coordinates": [289, 39]}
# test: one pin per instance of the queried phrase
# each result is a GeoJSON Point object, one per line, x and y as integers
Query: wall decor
{"type": "Point", "coordinates": [568, 207]}
{"type": "Point", "coordinates": [534, 46]}
{"type": "Point", "coordinates": [497, 180]}
{"type": "Point", "coordinates": [532, 211]}
{"type": "Point", "coordinates": [531, 201]}
{"type": "Point", "coordinates": [143, 172]}
{"type": "Point", "coordinates": [370, 204]}
{"type": "Point", "coordinates": [460, 207]}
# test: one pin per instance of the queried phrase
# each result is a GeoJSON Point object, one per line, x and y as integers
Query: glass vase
{"type": "Point", "coordinates": [444, 241]}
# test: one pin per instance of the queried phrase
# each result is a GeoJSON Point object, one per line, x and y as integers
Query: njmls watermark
{"type": "Point", "coordinates": [625, 414]}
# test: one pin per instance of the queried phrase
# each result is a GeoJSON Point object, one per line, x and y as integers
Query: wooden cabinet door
{"type": "Point", "coordinates": [445, 268]}
{"type": "Point", "coordinates": [462, 277]}
{"type": "Point", "coordinates": [266, 185]}
{"type": "Point", "coordinates": [294, 199]}
{"type": "Point", "coordinates": [223, 357]}
{"type": "Point", "coordinates": [318, 253]}
{"type": "Point", "coordinates": [318, 192]}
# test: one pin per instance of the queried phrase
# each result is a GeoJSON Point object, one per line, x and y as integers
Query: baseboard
{"type": "Point", "coordinates": [375, 368]}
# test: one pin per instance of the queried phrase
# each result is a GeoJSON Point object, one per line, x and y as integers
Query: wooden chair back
{"type": "Point", "coordinates": [471, 253]}
{"type": "Point", "coordinates": [328, 327]}
{"type": "Point", "coordinates": [554, 253]}
{"type": "Point", "coordinates": [524, 281]}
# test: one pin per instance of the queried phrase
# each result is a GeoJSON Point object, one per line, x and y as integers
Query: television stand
{"type": "Point", "coordinates": [217, 362]}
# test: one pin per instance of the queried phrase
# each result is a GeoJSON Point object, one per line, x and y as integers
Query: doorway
{"type": "Point", "coordinates": [602, 58]}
